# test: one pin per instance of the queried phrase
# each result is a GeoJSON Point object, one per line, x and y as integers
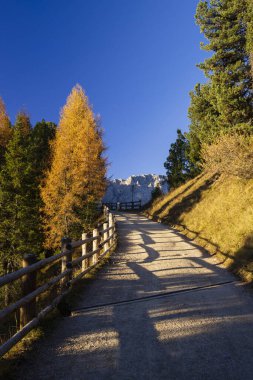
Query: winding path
{"type": "Point", "coordinates": [167, 311]}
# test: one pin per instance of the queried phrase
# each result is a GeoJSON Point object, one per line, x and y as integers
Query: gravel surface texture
{"type": "Point", "coordinates": [162, 309]}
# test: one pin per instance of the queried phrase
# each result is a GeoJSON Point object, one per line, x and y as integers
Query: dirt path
{"type": "Point", "coordinates": [172, 313]}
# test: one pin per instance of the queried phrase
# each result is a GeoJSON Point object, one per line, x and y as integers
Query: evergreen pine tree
{"type": "Point", "coordinates": [77, 176]}
{"type": "Point", "coordinates": [156, 193]}
{"type": "Point", "coordinates": [250, 32]}
{"type": "Point", "coordinates": [19, 213]}
{"type": "Point", "coordinates": [225, 103]}
{"type": "Point", "coordinates": [177, 165]}
{"type": "Point", "coordinates": [42, 136]}
{"type": "Point", "coordinates": [202, 113]}
{"type": "Point", "coordinates": [223, 24]}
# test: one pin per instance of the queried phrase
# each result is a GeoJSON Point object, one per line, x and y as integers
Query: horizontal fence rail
{"type": "Point", "coordinates": [93, 250]}
{"type": "Point", "coordinates": [122, 206]}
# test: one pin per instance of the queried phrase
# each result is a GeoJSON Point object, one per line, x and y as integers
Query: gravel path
{"type": "Point", "coordinates": [169, 312]}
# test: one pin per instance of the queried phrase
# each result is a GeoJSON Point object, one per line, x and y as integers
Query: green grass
{"type": "Point", "coordinates": [216, 212]}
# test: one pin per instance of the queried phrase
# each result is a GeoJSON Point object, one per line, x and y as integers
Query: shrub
{"type": "Point", "coordinates": [230, 154]}
{"type": "Point", "coordinates": [156, 193]}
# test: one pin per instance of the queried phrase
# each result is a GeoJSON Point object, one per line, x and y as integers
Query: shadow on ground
{"type": "Point", "coordinates": [202, 334]}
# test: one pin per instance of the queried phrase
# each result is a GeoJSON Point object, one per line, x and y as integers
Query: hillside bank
{"type": "Point", "coordinates": [217, 213]}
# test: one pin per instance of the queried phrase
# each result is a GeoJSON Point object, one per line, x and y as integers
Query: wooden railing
{"type": "Point", "coordinates": [94, 248]}
{"type": "Point", "coordinates": [122, 206]}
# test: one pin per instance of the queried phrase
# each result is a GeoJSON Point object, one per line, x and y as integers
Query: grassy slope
{"type": "Point", "coordinates": [217, 212]}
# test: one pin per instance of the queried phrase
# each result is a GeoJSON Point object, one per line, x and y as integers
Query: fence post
{"type": "Point", "coordinates": [95, 246]}
{"type": "Point", "coordinates": [28, 311]}
{"type": "Point", "coordinates": [105, 236]}
{"type": "Point", "coordinates": [114, 229]}
{"type": "Point", "coordinates": [85, 262]}
{"type": "Point", "coordinates": [105, 211]}
{"type": "Point", "coordinates": [66, 259]}
{"type": "Point", "coordinates": [111, 231]}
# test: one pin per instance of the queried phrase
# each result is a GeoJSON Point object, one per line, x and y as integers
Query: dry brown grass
{"type": "Point", "coordinates": [217, 212]}
{"type": "Point", "coordinates": [230, 154]}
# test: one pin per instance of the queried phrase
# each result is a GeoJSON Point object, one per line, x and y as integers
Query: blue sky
{"type": "Point", "coordinates": [136, 60]}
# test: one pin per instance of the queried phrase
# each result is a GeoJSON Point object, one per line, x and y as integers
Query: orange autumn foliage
{"type": "Point", "coordinates": [5, 125]}
{"type": "Point", "coordinates": [77, 174]}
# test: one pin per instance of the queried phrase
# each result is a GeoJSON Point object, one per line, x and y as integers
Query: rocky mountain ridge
{"type": "Point", "coordinates": [135, 188]}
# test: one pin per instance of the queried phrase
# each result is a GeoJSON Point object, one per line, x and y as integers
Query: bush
{"type": "Point", "coordinates": [156, 193]}
{"type": "Point", "coordinates": [230, 154]}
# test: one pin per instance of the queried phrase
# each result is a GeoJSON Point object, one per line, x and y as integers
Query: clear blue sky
{"type": "Point", "coordinates": [134, 58]}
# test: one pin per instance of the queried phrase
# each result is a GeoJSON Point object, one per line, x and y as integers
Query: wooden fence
{"type": "Point", "coordinates": [123, 206]}
{"type": "Point", "coordinates": [102, 242]}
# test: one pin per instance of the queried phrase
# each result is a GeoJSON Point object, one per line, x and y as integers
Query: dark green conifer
{"type": "Point", "coordinates": [250, 32]}
{"type": "Point", "coordinates": [42, 135]}
{"type": "Point", "coordinates": [225, 102]}
{"type": "Point", "coordinates": [203, 115]}
{"type": "Point", "coordinates": [178, 167]}
{"type": "Point", "coordinates": [26, 158]}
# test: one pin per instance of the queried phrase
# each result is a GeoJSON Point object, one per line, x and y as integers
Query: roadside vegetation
{"type": "Point", "coordinates": [210, 167]}
{"type": "Point", "coordinates": [216, 212]}
{"type": "Point", "coordinates": [28, 346]}
{"type": "Point", "coordinates": [51, 180]}
{"type": "Point", "coordinates": [223, 105]}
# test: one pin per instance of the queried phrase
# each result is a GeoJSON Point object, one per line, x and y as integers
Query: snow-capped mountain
{"type": "Point", "coordinates": [136, 187]}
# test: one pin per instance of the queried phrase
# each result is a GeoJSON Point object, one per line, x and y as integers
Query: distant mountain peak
{"type": "Point", "coordinates": [135, 187]}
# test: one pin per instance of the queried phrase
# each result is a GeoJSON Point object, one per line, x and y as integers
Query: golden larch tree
{"type": "Point", "coordinates": [77, 174]}
{"type": "Point", "coordinates": [5, 126]}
